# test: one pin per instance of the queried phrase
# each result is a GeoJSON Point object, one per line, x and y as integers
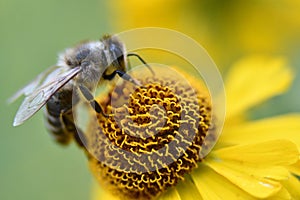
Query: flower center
{"type": "Point", "coordinates": [153, 136]}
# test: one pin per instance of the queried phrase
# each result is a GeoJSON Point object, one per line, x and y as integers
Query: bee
{"type": "Point", "coordinates": [78, 69]}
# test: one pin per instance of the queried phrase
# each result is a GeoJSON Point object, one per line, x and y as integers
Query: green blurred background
{"type": "Point", "coordinates": [32, 32]}
{"type": "Point", "coordinates": [32, 166]}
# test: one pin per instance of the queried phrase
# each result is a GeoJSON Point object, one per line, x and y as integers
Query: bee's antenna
{"type": "Point", "coordinates": [142, 60]}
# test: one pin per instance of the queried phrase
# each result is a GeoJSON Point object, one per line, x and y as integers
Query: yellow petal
{"type": "Point", "coordinates": [269, 153]}
{"type": "Point", "coordinates": [99, 193]}
{"type": "Point", "coordinates": [170, 194]}
{"type": "Point", "coordinates": [293, 185]}
{"type": "Point", "coordinates": [281, 127]}
{"type": "Point", "coordinates": [283, 194]}
{"type": "Point", "coordinates": [295, 168]}
{"type": "Point", "coordinates": [212, 186]}
{"type": "Point", "coordinates": [256, 170]}
{"type": "Point", "coordinates": [188, 190]}
{"type": "Point", "coordinates": [254, 80]}
{"type": "Point", "coordinates": [256, 186]}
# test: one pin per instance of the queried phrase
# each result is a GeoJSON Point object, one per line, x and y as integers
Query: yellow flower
{"type": "Point", "coordinates": [237, 27]}
{"type": "Point", "coordinates": [253, 159]}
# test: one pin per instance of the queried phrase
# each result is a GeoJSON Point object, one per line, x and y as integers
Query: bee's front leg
{"type": "Point", "coordinates": [90, 98]}
{"type": "Point", "coordinates": [123, 75]}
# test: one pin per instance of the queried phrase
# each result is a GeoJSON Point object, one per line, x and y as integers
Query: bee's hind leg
{"type": "Point", "coordinates": [90, 98]}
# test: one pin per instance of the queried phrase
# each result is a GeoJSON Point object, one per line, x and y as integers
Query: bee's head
{"type": "Point", "coordinates": [116, 51]}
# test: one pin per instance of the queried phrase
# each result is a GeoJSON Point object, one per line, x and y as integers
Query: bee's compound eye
{"type": "Point", "coordinates": [112, 47]}
{"type": "Point", "coordinates": [116, 50]}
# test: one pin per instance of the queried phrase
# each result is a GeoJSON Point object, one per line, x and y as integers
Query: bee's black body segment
{"type": "Point", "coordinates": [78, 69]}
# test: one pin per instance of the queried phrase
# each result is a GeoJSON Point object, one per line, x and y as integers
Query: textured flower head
{"type": "Point", "coordinates": [252, 160]}
{"type": "Point", "coordinates": [155, 134]}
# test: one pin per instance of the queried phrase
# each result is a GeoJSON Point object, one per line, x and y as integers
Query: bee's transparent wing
{"type": "Point", "coordinates": [36, 99]}
{"type": "Point", "coordinates": [31, 87]}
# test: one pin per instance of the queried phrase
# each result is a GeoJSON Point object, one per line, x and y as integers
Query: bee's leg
{"type": "Point", "coordinates": [123, 75]}
{"type": "Point", "coordinates": [79, 137]}
{"type": "Point", "coordinates": [142, 60]}
{"type": "Point", "coordinates": [69, 124]}
{"type": "Point", "coordinates": [90, 98]}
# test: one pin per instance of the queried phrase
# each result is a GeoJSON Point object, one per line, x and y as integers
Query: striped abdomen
{"type": "Point", "coordinates": [59, 118]}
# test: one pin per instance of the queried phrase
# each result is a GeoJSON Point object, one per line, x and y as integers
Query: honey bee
{"type": "Point", "coordinates": [78, 69]}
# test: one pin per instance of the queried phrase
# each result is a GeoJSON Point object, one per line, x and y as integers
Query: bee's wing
{"type": "Point", "coordinates": [36, 99]}
{"type": "Point", "coordinates": [30, 88]}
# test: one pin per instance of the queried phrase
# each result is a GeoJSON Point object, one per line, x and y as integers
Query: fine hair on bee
{"type": "Point", "coordinates": [78, 69]}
